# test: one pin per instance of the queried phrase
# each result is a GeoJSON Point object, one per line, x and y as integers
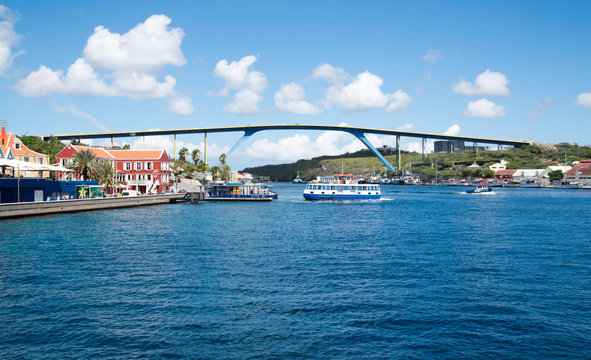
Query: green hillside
{"type": "Point", "coordinates": [455, 164]}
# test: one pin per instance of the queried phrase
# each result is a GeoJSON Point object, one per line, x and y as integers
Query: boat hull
{"type": "Point", "coordinates": [340, 197]}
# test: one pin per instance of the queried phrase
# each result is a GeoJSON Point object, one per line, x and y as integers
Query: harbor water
{"type": "Point", "coordinates": [425, 272]}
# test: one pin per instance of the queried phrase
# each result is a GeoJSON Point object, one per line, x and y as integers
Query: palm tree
{"type": "Point", "coordinates": [195, 154]}
{"type": "Point", "coordinates": [183, 154]}
{"type": "Point", "coordinates": [223, 158]}
{"type": "Point", "coordinates": [83, 164]}
{"type": "Point", "coordinates": [105, 173]}
{"type": "Point", "coordinates": [215, 172]}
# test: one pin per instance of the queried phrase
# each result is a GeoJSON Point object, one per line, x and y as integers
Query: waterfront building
{"type": "Point", "coordinates": [14, 190]}
{"type": "Point", "coordinates": [528, 174]}
{"type": "Point", "coordinates": [546, 178]}
{"type": "Point", "coordinates": [580, 172]}
{"type": "Point", "coordinates": [505, 174]}
{"type": "Point", "coordinates": [12, 148]}
{"type": "Point", "coordinates": [146, 171]}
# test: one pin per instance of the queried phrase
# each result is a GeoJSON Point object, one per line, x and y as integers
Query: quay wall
{"type": "Point", "coordinates": [16, 210]}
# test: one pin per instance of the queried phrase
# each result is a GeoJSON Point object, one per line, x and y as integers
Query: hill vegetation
{"type": "Point", "coordinates": [440, 165]}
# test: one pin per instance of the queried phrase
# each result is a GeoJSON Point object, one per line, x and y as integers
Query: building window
{"type": "Point", "coordinates": [64, 162]}
{"type": "Point", "coordinates": [26, 158]}
{"type": "Point", "coordinates": [163, 166]}
{"type": "Point", "coordinates": [149, 166]}
{"type": "Point", "coordinates": [129, 177]}
{"type": "Point", "coordinates": [148, 177]}
{"type": "Point", "coordinates": [140, 177]}
{"type": "Point", "coordinates": [17, 146]}
{"type": "Point", "coordinates": [128, 166]}
{"type": "Point", "coordinates": [138, 165]}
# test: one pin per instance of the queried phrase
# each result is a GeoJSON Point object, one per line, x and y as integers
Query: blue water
{"type": "Point", "coordinates": [426, 272]}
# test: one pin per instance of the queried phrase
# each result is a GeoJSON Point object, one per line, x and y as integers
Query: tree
{"type": "Point", "coordinates": [215, 172]}
{"type": "Point", "coordinates": [183, 154]}
{"type": "Point", "coordinates": [202, 166]}
{"type": "Point", "coordinates": [195, 155]}
{"type": "Point", "coordinates": [105, 173]}
{"type": "Point", "coordinates": [83, 165]}
{"type": "Point", "coordinates": [555, 175]}
{"type": "Point", "coordinates": [126, 147]}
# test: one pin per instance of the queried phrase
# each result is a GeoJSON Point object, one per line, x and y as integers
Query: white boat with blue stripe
{"type": "Point", "coordinates": [340, 187]}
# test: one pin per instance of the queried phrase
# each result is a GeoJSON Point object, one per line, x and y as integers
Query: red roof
{"type": "Point", "coordinates": [505, 172]}
{"type": "Point", "coordinates": [9, 140]}
{"type": "Point", "coordinates": [123, 154]}
{"type": "Point", "coordinates": [584, 168]}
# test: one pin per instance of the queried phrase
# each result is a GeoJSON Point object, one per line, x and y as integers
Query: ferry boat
{"type": "Point", "coordinates": [565, 184]}
{"type": "Point", "coordinates": [340, 187]}
{"type": "Point", "coordinates": [530, 183]}
{"type": "Point", "coordinates": [239, 192]}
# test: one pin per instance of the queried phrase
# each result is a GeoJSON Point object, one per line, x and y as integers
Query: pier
{"type": "Point", "coordinates": [18, 210]}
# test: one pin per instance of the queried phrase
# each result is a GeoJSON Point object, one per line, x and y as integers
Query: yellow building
{"type": "Point", "coordinates": [12, 147]}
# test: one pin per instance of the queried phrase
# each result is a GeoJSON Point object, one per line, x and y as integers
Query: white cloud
{"type": "Point", "coordinates": [486, 83]}
{"type": "Point", "coordinates": [148, 47]}
{"type": "Point", "coordinates": [327, 72]}
{"type": "Point", "coordinates": [180, 105]}
{"type": "Point", "coordinates": [290, 98]}
{"type": "Point", "coordinates": [130, 60]}
{"type": "Point", "coordinates": [363, 93]}
{"type": "Point", "coordinates": [8, 38]}
{"type": "Point", "coordinates": [452, 130]}
{"type": "Point", "coordinates": [433, 55]}
{"type": "Point", "coordinates": [248, 84]}
{"type": "Point", "coordinates": [484, 108]}
{"type": "Point", "coordinates": [584, 99]}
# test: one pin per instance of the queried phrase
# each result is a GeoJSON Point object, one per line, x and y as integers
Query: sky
{"type": "Point", "coordinates": [516, 70]}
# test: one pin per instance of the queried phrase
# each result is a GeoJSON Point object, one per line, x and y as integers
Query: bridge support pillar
{"type": "Point", "coordinates": [112, 142]}
{"type": "Point", "coordinates": [205, 155]}
{"type": "Point", "coordinates": [174, 147]}
{"type": "Point", "coordinates": [361, 136]}
{"type": "Point", "coordinates": [398, 155]}
{"type": "Point", "coordinates": [423, 148]}
{"type": "Point", "coordinates": [247, 134]}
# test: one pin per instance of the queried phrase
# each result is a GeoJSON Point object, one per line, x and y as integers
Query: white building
{"type": "Point", "coordinates": [499, 166]}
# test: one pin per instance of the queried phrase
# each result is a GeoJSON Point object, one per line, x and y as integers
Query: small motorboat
{"type": "Point", "coordinates": [479, 189]}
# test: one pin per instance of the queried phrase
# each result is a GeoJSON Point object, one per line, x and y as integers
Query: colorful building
{"type": "Point", "coordinates": [12, 148]}
{"type": "Point", "coordinates": [146, 171]}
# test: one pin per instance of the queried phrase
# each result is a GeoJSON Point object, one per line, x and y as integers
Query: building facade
{"type": "Point", "coordinates": [146, 171]}
{"type": "Point", "coordinates": [580, 172]}
{"type": "Point", "coordinates": [13, 148]}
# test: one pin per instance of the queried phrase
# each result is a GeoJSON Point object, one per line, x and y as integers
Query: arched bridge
{"type": "Point", "coordinates": [249, 130]}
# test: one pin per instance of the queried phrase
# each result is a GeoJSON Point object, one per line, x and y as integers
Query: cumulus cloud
{"type": "Point", "coordinates": [584, 99]}
{"type": "Point", "coordinates": [8, 38]}
{"type": "Point", "coordinates": [327, 72]}
{"type": "Point", "coordinates": [486, 83]}
{"type": "Point", "coordinates": [452, 130]}
{"type": "Point", "coordinates": [484, 108]}
{"type": "Point", "coordinates": [291, 97]}
{"type": "Point", "coordinates": [124, 65]}
{"type": "Point", "coordinates": [248, 84]}
{"type": "Point", "coordinates": [432, 55]}
{"type": "Point", "coordinates": [364, 92]}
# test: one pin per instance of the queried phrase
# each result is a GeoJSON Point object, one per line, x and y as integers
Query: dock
{"type": "Point", "coordinates": [18, 210]}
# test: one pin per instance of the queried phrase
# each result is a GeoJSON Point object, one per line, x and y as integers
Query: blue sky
{"type": "Point", "coordinates": [514, 70]}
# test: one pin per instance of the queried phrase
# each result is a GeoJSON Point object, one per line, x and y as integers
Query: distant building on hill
{"type": "Point", "coordinates": [454, 145]}
{"type": "Point", "coordinates": [580, 172]}
{"type": "Point", "coordinates": [502, 165]}
{"type": "Point", "coordinates": [146, 171]}
{"type": "Point", "coordinates": [505, 174]}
